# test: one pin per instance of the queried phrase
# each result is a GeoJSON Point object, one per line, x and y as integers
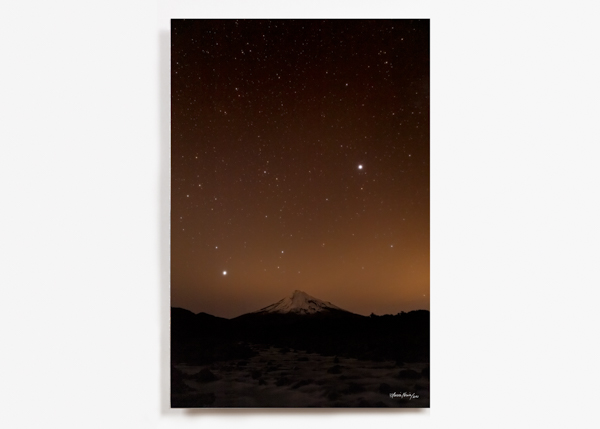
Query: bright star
{"type": "Point", "coordinates": [360, 167]}
{"type": "Point", "coordinates": [224, 273]}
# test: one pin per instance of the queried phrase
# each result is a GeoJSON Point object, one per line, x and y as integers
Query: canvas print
{"type": "Point", "coordinates": [300, 213]}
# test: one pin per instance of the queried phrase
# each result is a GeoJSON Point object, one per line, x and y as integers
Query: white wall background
{"type": "Point", "coordinates": [84, 213]}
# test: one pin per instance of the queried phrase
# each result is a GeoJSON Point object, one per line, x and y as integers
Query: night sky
{"type": "Point", "coordinates": [300, 160]}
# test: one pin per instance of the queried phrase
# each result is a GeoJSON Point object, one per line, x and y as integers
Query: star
{"type": "Point", "coordinates": [224, 273]}
{"type": "Point", "coordinates": [360, 167]}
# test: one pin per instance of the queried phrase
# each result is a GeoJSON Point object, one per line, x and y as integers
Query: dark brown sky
{"type": "Point", "coordinates": [300, 160]}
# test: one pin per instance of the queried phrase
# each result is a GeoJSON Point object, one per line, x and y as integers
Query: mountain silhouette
{"type": "Point", "coordinates": [303, 322]}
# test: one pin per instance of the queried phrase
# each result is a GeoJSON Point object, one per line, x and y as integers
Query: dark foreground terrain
{"type": "Point", "coordinates": [333, 360]}
{"type": "Point", "coordinates": [276, 377]}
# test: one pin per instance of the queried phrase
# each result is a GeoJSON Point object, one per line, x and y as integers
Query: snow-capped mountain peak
{"type": "Point", "coordinates": [300, 303]}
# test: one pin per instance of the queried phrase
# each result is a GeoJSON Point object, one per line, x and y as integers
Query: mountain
{"type": "Point", "coordinates": [300, 322]}
{"type": "Point", "coordinates": [185, 324]}
{"type": "Point", "coordinates": [300, 303]}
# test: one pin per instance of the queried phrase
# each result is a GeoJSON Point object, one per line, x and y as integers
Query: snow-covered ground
{"type": "Point", "coordinates": [280, 378]}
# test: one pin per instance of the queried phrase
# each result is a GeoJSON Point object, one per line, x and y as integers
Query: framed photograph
{"type": "Point", "coordinates": [300, 213]}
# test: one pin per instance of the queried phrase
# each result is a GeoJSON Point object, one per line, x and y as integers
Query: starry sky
{"type": "Point", "coordinates": [299, 160]}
